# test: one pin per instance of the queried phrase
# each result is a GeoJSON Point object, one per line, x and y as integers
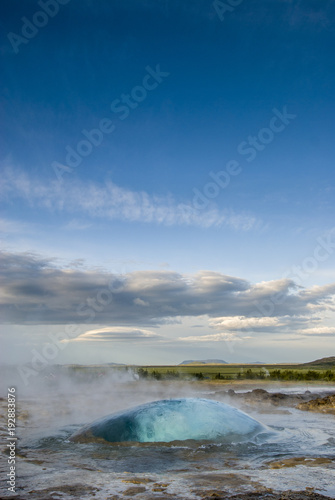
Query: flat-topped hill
{"type": "Point", "coordinates": [204, 362]}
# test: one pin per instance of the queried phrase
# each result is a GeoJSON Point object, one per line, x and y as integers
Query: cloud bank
{"type": "Point", "coordinates": [36, 290]}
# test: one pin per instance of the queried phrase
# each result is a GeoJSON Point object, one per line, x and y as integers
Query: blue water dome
{"type": "Point", "coordinates": [173, 420]}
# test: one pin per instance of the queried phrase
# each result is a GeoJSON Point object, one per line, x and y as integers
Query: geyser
{"type": "Point", "coordinates": [173, 420]}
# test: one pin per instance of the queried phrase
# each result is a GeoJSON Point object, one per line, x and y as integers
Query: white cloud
{"type": "Point", "coordinates": [319, 331]}
{"type": "Point", "coordinates": [110, 201]}
{"type": "Point", "coordinates": [263, 289]}
{"type": "Point", "coordinates": [315, 293]}
{"type": "Point", "coordinates": [116, 334]}
{"type": "Point", "coordinates": [140, 302]}
{"type": "Point", "coordinates": [215, 337]}
{"type": "Point", "coordinates": [242, 322]}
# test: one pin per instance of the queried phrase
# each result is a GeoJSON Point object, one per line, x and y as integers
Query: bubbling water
{"type": "Point", "coordinates": [174, 420]}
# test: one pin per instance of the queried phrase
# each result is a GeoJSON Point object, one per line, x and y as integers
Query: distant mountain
{"type": "Point", "coordinates": [204, 362]}
{"type": "Point", "coordinates": [323, 361]}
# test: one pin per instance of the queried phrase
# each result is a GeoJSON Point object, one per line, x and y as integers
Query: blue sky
{"type": "Point", "coordinates": [247, 100]}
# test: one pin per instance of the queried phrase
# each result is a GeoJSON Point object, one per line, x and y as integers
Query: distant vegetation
{"type": "Point", "coordinates": [238, 372]}
{"type": "Point", "coordinates": [299, 375]}
{"type": "Point", "coordinates": [158, 375]}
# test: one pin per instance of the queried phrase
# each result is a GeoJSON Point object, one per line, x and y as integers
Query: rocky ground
{"type": "Point", "coordinates": [285, 495]}
{"type": "Point", "coordinates": [323, 405]}
{"type": "Point", "coordinates": [306, 401]}
{"type": "Point", "coordinates": [137, 492]}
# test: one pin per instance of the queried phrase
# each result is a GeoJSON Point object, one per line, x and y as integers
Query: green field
{"type": "Point", "coordinates": [238, 372]}
{"type": "Point", "coordinates": [320, 370]}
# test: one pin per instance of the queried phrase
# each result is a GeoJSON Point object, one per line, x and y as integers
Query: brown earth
{"type": "Point", "coordinates": [322, 405]}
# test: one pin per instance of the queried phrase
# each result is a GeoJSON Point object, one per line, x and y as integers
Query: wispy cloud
{"type": "Point", "coordinates": [109, 201]}
{"type": "Point", "coordinates": [77, 225]}
{"type": "Point", "coordinates": [8, 226]}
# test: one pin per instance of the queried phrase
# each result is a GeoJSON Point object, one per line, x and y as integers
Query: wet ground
{"type": "Point", "coordinates": [297, 461]}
